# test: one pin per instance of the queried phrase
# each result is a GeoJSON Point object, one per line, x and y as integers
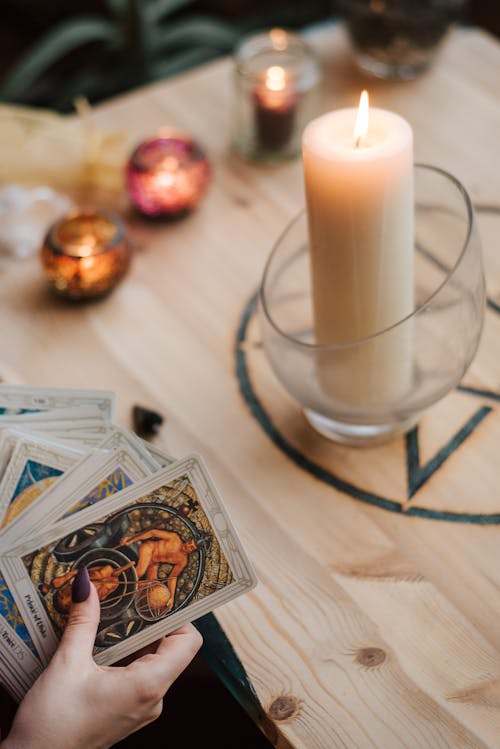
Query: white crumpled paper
{"type": "Point", "coordinates": [25, 216]}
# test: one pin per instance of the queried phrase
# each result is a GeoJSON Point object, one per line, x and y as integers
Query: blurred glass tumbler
{"type": "Point", "coordinates": [398, 38]}
{"type": "Point", "coordinates": [276, 82]}
{"type": "Point", "coordinates": [443, 330]}
{"type": "Point", "coordinates": [85, 254]}
{"type": "Point", "coordinates": [167, 175]}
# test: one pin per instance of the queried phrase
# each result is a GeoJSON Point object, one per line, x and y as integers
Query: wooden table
{"type": "Point", "coordinates": [371, 626]}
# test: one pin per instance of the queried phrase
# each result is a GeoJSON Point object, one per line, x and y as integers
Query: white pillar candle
{"type": "Point", "coordinates": [359, 194]}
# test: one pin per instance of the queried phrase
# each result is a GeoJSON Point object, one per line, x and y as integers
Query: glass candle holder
{"type": "Point", "coordinates": [437, 341]}
{"type": "Point", "coordinates": [85, 254]}
{"type": "Point", "coordinates": [276, 81]}
{"type": "Point", "coordinates": [398, 38]}
{"type": "Point", "coordinates": [167, 175]}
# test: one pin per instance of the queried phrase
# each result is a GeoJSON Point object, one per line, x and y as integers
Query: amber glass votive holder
{"type": "Point", "coordinates": [277, 80]}
{"type": "Point", "coordinates": [85, 254]}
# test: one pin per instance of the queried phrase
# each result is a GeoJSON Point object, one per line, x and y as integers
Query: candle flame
{"type": "Point", "coordinates": [279, 39]}
{"type": "Point", "coordinates": [275, 78]}
{"type": "Point", "coordinates": [361, 125]}
{"type": "Point", "coordinates": [86, 263]}
{"type": "Point", "coordinates": [88, 246]}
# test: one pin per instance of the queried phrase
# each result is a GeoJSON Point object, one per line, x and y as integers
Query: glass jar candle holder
{"type": "Point", "coordinates": [85, 254]}
{"type": "Point", "coordinates": [398, 38]}
{"type": "Point", "coordinates": [339, 386]}
{"type": "Point", "coordinates": [167, 175]}
{"type": "Point", "coordinates": [276, 81]}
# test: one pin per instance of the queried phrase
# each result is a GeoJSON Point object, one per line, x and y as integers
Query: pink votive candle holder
{"type": "Point", "coordinates": [167, 175]}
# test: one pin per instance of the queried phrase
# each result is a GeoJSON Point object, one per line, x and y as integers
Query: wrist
{"type": "Point", "coordinates": [11, 742]}
{"type": "Point", "coordinates": [16, 742]}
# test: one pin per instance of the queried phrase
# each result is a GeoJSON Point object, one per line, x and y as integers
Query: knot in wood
{"type": "Point", "coordinates": [241, 200]}
{"type": "Point", "coordinates": [370, 657]}
{"type": "Point", "coordinates": [284, 707]}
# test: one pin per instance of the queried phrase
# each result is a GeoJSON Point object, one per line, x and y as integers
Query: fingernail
{"type": "Point", "coordinates": [80, 589]}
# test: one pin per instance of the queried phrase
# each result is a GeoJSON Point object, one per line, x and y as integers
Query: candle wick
{"type": "Point", "coordinates": [357, 142]}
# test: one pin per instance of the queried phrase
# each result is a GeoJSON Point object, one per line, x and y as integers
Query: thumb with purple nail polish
{"type": "Point", "coordinates": [101, 705]}
{"type": "Point", "coordinates": [80, 589]}
{"type": "Point", "coordinates": [83, 620]}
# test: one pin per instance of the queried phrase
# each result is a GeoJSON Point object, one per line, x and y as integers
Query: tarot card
{"type": "Point", "coordinates": [81, 440]}
{"type": "Point", "coordinates": [119, 461]}
{"type": "Point", "coordinates": [117, 438]}
{"type": "Point", "coordinates": [12, 678]}
{"type": "Point", "coordinates": [17, 399]}
{"type": "Point", "coordinates": [162, 457]}
{"type": "Point", "coordinates": [84, 413]}
{"type": "Point", "coordinates": [160, 553]}
{"type": "Point", "coordinates": [72, 426]}
{"type": "Point", "coordinates": [10, 681]}
{"type": "Point", "coordinates": [11, 436]}
{"type": "Point", "coordinates": [8, 441]}
{"type": "Point", "coordinates": [19, 662]}
{"type": "Point", "coordinates": [33, 467]}
{"type": "Point", "coordinates": [17, 652]}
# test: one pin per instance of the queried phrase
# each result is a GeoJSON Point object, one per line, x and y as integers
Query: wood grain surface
{"type": "Point", "coordinates": [371, 626]}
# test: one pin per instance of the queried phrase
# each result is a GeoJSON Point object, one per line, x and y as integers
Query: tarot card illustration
{"type": "Point", "coordinates": [33, 467]}
{"type": "Point", "coordinates": [158, 554]}
{"type": "Point", "coordinates": [116, 462]}
{"type": "Point", "coordinates": [114, 482]}
{"type": "Point", "coordinates": [34, 479]}
{"type": "Point", "coordinates": [120, 469]}
{"type": "Point", "coordinates": [145, 561]}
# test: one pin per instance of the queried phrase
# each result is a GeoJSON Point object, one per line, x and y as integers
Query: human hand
{"type": "Point", "coordinates": [77, 703]}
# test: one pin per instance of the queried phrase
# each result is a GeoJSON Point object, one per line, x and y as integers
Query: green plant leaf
{"type": "Point", "coordinates": [53, 46]}
{"type": "Point", "coordinates": [181, 61]}
{"type": "Point", "coordinates": [155, 10]}
{"type": "Point", "coordinates": [195, 30]}
{"type": "Point", "coordinates": [117, 8]}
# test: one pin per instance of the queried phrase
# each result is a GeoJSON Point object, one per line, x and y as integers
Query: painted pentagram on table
{"type": "Point", "coordinates": [424, 467]}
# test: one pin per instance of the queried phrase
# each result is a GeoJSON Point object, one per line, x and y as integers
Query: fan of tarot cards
{"type": "Point", "coordinates": [77, 491]}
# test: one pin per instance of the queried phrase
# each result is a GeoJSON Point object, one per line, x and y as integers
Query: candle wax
{"type": "Point", "coordinates": [275, 106]}
{"type": "Point", "coordinates": [360, 216]}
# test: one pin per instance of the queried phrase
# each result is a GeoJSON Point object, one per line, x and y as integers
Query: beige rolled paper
{"type": "Point", "coordinates": [359, 195]}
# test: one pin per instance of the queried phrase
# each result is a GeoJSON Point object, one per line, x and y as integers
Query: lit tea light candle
{"type": "Point", "coordinates": [358, 169]}
{"type": "Point", "coordinates": [275, 103]}
{"type": "Point", "coordinates": [85, 254]}
{"type": "Point", "coordinates": [167, 175]}
{"type": "Point", "coordinates": [276, 81]}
